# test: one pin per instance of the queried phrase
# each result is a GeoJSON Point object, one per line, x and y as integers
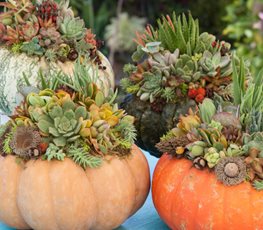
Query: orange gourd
{"type": "Point", "coordinates": [190, 199]}
{"type": "Point", "coordinates": [61, 195]}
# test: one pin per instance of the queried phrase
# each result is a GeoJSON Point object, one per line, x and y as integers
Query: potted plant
{"type": "Point", "coordinates": [44, 36]}
{"type": "Point", "coordinates": [176, 67]}
{"type": "Point", "coordinates": [68, 160]}
{"type": "Point", "coordinates": [212, 176]}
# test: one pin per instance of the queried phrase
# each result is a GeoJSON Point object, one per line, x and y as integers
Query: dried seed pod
{"type": "Point", "coordinates": [231, 170]}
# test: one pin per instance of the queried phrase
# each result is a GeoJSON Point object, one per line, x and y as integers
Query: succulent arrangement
{"type": "Point", "coordinates": [45, 28]}
{"type": "Point", "coordinates": [226, 137]}
{"type": "Point", "coordinates": [175, 64]}
{"type": "Point", "coordinates": [68, 117]}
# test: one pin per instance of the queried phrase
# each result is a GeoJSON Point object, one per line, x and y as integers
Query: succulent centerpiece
{"type": "Point", "coordinates": [212, 173]}
{"type": "Point", "coordinates": [68, 161]}
{"type": "Point", "coordinates": [175, 68]}
{"type": "Point", "coordinates": [44, 36]}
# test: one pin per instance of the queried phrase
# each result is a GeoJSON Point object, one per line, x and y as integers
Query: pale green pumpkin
{"type": "Point", "coordinates": [13, 66]}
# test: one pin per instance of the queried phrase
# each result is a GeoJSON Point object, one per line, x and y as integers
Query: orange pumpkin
{"type": "Point", "coordinates": [61, 195]}
{"type": "Point", "coordinates": [188, 198]}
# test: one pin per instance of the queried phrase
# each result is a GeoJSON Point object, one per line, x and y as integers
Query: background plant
{"type": "Point", "coordinates": [245, 28]}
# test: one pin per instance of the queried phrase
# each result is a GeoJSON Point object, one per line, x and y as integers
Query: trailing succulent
{"type": "Point", "coordinates": [46, 29]}
{"type": "Point", "coordinates": [68, 117]}
{"type": "Point", "coordinates": [175, 68]}
{"type": "Point", "coordinates": [224, 136]}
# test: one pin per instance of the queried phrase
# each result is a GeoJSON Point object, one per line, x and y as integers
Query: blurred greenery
{"type": "Point", "coordinates": [97, 14]}
{"type": "Point", "coordinates": [245, 28]}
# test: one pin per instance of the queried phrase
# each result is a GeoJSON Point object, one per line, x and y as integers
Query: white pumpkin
{"type": "Point", "coordinates": [12, 67]}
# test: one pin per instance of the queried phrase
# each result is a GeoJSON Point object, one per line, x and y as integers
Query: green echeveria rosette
{"type": "Point", "coordinates": [175, 68]}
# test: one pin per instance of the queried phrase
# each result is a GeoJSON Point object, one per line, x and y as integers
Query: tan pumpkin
{"type": "Point", "coordinates": [13, 66]}
{"type": "Point", "coordinates": [190, 199]}
{"type": "Point", "coordinates": [61, 195]}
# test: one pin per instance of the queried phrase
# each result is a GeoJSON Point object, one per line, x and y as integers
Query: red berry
{"type": "Point", "coordinates": [201, 91]}
{"type": "Point", "coordinates": [192, 93]}
{"type": "Point", "coordinates": [214, 43]}
{"type": "Point", "coordinates": [43, 147]}
{"type": "Point", "coordinates": [199, 98]}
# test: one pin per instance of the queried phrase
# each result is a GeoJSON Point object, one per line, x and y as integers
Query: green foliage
{"type": "Point", "coordinates": [72, 28]}
{"type": "Point", "coordinates": [53, 152]}
{"type": "Point", "coordinates": [32, 47]}
{"type": "Point", "coordinates": [207, 110]}
{"type": "Point", "coordinates": [6, 143]}
{"type": "Point", "coordinates": [4, 127]}
{"type": "Point", "coordinates": [120, 33]}
{"type": "Point", "coordinates": [62, 122]}
{"type": "Point", "coordinates": [127, 130]}
{"type": "Point", "coordinates": [83, 158]}
{"type": "Point", "coordinates": [180, 33]}
{"type": "Point", "coordinates": [258, 185]}
{"type": "Point", "coordinates": [169, 135]}
{"type": "Point", "coordinates": [244, 28]}
{"type": "Point", "coordinates": [238, 81]}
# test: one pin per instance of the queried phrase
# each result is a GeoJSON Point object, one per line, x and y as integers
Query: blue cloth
{"type": "Point", "coordinates": [145, 219]}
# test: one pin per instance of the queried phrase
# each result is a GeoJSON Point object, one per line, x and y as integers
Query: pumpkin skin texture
{"type": "Point", "coordinates": [151, 125]}
{"type": "Point", "coordinates": [12, 67]}
{"type": "Point", "coordinates": [61, 195]}
{"type": "Point", "coordinates": [187, 198]}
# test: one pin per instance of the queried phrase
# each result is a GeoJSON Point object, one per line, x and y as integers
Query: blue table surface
{"type": "Point", "coordinates": [145, 219]}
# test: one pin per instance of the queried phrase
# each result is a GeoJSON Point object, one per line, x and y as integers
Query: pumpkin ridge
{"type": "Point", "coordinates": [257, 215]}
{"type": "Point", "coordinates": [205, 202]}
{"type": "Point", "coordinates": [195, 202]}
{"type": "Point", "coordinates": [142, 185]}
{"type": "Point", "coordinates": [161, 165]}
{"type": "Point", "coordinates": [136, 190]}
{"type": "Point", "coordinates": [179, 185]}
{"type": "Point", "coordinates": [52, 199]}
{"type": "Point", "coordinates": [173, 164]}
